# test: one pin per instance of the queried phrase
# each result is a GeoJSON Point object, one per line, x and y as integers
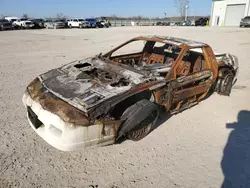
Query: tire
{"type": "Point", "coordinates": [225, 84]}
{"type": "Point", "coordinates": [70, 26]}
{"type": "Point", "coordinates": [138, 120]}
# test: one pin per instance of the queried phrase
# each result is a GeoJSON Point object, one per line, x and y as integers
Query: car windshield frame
{"type": "Point", "coordinates": [110, 53]}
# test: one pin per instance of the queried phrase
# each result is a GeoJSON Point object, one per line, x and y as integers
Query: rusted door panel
{"type": "Point", "coordinates": [188, 89]}
{"type": "Point", "coordinates": [182, 81]}
{"type": "Point", "coordinates": [190, 92]}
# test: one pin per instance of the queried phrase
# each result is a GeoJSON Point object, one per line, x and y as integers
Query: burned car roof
{"type": "Point", "coordinates": [172, 40]}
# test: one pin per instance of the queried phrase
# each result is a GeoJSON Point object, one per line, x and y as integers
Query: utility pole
{"type": "Point", "coordinates": [194, 14]}
{"type": "Point", "coordinates": [186, 12]}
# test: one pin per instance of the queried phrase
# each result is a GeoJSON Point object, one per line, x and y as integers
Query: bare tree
{"type": "Point", "coordinates": [181, 6]}
{"type": "Point", "coordinates": [25, 16]}
{"type": "Point", "coordinates": [60, 16]}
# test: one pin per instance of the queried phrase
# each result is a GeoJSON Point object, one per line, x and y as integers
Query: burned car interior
{"type": "Point", "coordinates": [154, 55]}
{"type": "Point", "coordinates": [158, 55]}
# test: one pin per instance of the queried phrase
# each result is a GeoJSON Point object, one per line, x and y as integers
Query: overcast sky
{"type": "Point", "coordinates": [95, 8]}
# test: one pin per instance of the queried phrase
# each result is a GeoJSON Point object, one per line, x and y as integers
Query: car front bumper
{"type": "Point", "coordinates": [6, 27]}
{"type": "Point", "coordinates": [29, 26]}
{"type": "Point", "coordinates": [86, 25]}
{"type": "Point", "coordinates": [60, 26]}
{"type": "Point", "coordinates": [62, 135]}
{"type": "Point", "coordinates": [244, 23]}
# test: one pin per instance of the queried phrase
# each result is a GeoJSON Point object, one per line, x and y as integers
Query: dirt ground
{"type": "Point", "coordinates": [199, 147]}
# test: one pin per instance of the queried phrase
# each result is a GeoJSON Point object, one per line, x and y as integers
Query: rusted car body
{"type": "Point", "coordinates": [99, 100]}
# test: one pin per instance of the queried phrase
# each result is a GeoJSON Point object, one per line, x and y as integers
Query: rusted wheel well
{"type": "Point", "coordinates": [225, 70]}
{"type": "Point", "coordinates": [119, 108]}
{"type": "Point", "coordinates": [224, 81]}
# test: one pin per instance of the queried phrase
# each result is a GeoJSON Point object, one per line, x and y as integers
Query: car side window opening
{"type": "Point", "coordinates": [192, 61]}
{"type": "Point", "coordinates": [167, 53]}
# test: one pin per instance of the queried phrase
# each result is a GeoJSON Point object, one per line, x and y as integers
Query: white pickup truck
{"type": "Point", "coordinates": [23, 23]}
{"type": "Point", "coordinates": [79, 23]}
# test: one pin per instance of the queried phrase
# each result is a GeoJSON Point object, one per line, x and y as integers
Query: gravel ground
{"type": "Point", "coordinates": [195, 148]}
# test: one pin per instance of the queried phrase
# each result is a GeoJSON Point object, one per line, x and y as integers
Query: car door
{"type": "Point", "coordinates": [75, 23]}
{"type": "Point", "coordinates": [194, 78]}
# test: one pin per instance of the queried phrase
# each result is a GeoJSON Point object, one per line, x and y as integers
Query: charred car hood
{"type": "Point", "coordinates": [86, 83]}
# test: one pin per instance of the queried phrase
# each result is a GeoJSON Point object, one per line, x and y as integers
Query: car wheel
{"type": "Point", "coordinates": [139, 120]}
{"type": "Point", "coordinates": [70, 26]}
{"type": "Point", "coordinates": [225, 84]}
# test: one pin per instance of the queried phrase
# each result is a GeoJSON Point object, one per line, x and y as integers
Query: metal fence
{"type": "Point", "coordinates": [131, 22]}
{"type": "Point", "coordinates": [145, 22]}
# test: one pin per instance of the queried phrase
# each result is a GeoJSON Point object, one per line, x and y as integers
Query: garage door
{"type": "Point", "coordinates": [234, 14]}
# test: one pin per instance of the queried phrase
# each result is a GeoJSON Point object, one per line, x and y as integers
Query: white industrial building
{"type": "Point", "coordinates": [229, 12]}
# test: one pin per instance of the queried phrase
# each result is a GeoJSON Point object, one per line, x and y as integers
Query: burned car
{"type": "Point", "coordinates": [100, 100]}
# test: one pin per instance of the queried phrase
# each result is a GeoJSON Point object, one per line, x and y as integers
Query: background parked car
{"type": "Point", "coordinates": [102, 24]}
{"type": "Point", "coordinates": [92, 22]}
{"type": "Point", "coordinates": [79, 23]}
{"type": "Point", "coordinates": [23, 23]}
{"type": "Point", "coordinates": [166, 23]}
{"type": "Point", "coordinates": [201, 22]}
{"type": "Point", "coordinates": [38, 23]}
{"type": "Point", "coordinates": [172, 24]}
{"type": "Point", "coordinates": [178, 23]}
{"type": "Point", "coordinates": [186, 23]}
{"type": "Point", "coordinates": [159, 23]}
{"type": "Point", "coordinates": [65, 21]}
{"type": "Point", "coordinates": [245, 22]}
{"type": "Point", "coordinates": [54, 24]}
{"type": "Point", "coordinates": [5, 24]}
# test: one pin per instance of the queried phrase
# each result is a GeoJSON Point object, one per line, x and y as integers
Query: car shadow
{"type": "Point", "coordinates": [235, 163]}
{"type": "Point", "coordinates": [164, 116]}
